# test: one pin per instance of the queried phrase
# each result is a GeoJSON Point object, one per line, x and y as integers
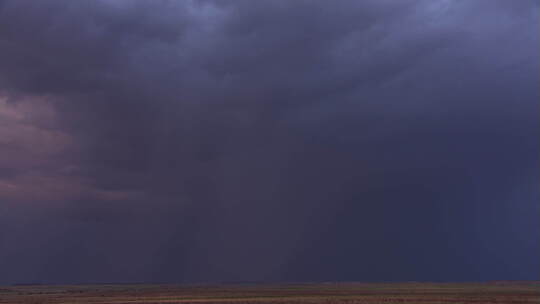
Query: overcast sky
{"type": "Point", "coordinates": [276, 140]}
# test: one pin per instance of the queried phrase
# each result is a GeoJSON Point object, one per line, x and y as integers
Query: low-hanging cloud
{"type": "Point", "coordinates": [191, 141]}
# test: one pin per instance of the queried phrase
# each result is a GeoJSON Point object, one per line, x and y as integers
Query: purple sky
{"type": "Point", "coordinates": [276, 140]}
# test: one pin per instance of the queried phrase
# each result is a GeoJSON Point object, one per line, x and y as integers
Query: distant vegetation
{"type": "Point", "coordinates": [328, 293]}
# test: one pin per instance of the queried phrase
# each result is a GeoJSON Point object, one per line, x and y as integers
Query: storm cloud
{"type": "Point", "coordinates": [209, 141]}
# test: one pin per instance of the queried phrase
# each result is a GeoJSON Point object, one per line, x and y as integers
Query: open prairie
{"type": "Point", "coordinates": [364, 293]}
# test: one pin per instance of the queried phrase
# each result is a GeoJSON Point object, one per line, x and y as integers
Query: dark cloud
{"type": "Point", "coordinates": [269, 140]}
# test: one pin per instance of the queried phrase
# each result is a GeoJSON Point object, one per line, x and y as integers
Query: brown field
{"type": "Point", "coordinates": [361, 293]}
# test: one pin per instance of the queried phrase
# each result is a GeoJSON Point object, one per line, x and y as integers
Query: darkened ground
{"type": "Point", "coordinates": [427, 293]}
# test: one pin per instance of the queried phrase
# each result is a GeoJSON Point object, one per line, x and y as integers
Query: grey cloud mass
{"type": "Point", "coordinates": [210, 141]}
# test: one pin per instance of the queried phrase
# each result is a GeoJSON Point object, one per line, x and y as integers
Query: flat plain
{"type": "Point", "coordinates": [316, 293]}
